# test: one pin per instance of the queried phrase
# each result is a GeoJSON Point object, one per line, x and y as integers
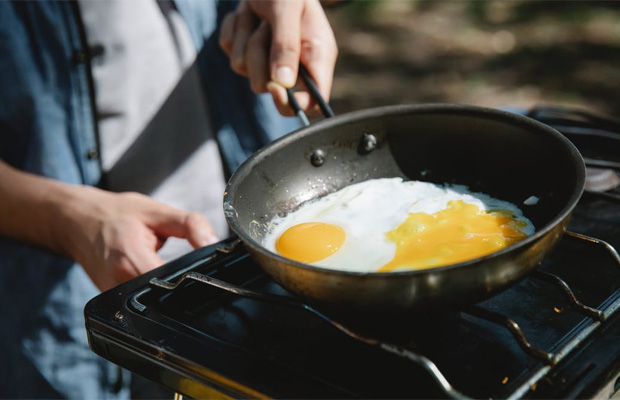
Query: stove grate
{"type": "Point", "coordinates": [596, 316]}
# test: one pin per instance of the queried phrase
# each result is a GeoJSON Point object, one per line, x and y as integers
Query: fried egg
{"type": "Point", "coordinates": [388, 224]}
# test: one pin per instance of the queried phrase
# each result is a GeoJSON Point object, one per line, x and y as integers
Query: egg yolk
{"type": "Point", "coordinates": [458, 233]}
{"type": "Point", "coordinates": [310, 242]}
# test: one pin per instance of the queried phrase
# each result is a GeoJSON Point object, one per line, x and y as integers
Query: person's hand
{"type": "Point", "coordinates": [267, 39]}
{"type": "Point", "coordinates": [115, 236]}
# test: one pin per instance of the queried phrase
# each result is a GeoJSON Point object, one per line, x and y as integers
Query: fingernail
{"type": "Point", "coordinates": [205, 237]}
{"type": "Point", "coordinates": [273, 87]}
{"type": "Point", "coordinates": [210, 238]}
{"type": "Point", "coordinates": [284, 76]}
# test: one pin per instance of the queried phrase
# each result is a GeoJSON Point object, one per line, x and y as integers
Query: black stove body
{"type": "Point", "coordinates": [211, 323]}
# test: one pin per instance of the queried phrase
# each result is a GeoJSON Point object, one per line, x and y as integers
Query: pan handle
{"type": "Point", "coordinates": [314, 92]}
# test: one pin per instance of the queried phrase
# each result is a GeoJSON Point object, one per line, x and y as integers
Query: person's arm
{"type": "Point", "coordinates": [267, 39]}
{"type": "Point", "coordinates": [114, 236]}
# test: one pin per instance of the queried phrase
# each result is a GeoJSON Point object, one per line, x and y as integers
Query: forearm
{"type": "Point", "coordinates": [32, 208]}
{"type": "Point", "coordinates": [114, 236]}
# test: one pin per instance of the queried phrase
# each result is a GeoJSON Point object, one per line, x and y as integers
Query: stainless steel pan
{"type": "Point", "coordinates": [504, 155]}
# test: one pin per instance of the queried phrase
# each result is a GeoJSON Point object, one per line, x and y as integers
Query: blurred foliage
{"type": "Point", "coordinates": [360, 9]}
{"type": "Point", "coordinates": [488, 53]}
{"type": "Point", "coordinates": [525, 11]}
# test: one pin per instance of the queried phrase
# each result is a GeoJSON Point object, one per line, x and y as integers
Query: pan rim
{"type": "Point", "coordinates": [392, 110]}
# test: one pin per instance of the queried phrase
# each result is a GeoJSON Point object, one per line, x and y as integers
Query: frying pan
{"type": "Point", "coordinates": [507, 156]}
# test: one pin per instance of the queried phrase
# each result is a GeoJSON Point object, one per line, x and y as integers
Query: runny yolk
{"type": "Point", "coordinates": [458, 233]}
{"type": "Point", "coordinates": [310, 242]}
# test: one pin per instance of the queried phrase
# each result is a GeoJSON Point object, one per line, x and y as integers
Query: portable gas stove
{"type": "Point", "coordinates": [212, 324]}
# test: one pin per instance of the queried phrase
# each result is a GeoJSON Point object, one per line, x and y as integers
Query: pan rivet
{"type": "Point", "coordinates": [317, 158]}
{"type": "Point", "coordinates": [369, 142]}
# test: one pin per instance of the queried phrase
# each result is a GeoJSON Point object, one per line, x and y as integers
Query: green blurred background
{"type": "Point", "coordinates": [488, 53]}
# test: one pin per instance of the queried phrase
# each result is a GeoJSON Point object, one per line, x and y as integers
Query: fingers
{"type": "Point", "coordinates": [121, 233]}
{"type": "Point", "coordinates": [256, 58]}
{"type": "Point", "coordinates": [318, 48]}
{"type": "Point", "coordinates": [128, 250]}
{"type": "Point", "coordinates": [285, 42]}
{"type": "Point", "coordinates": [247, 48]}
{"type": "Point", "coordinates": [133, 250]}
{"type": "Point", "coordinates": [144, 259]}
{"type": "Point", "coordinates": [280, 99]}
{"type": "Point", "coordinates": [245, 23]}
{"type": "Point", "coordinates": [318, 54]}
{"type": "Point", "coordinates": [227, 33]}
{"type": "Point", "coordinates": [269, 53]}
{"type": "Point", "coordinates": [166, 221]}
{"type": "Point", "coordinates": [198, 231]}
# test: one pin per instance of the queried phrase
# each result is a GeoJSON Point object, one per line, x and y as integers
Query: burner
{"type": "Point", "coordinates": [601, 180]}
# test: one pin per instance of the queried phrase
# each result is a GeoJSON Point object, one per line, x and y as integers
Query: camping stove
{"type": "Point", "coordinates": [212, 324]}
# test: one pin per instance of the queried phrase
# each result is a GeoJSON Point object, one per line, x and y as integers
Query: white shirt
{"type": "Point", "coordinates": [154, 127]}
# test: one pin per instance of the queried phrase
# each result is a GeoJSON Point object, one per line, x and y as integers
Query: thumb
{"type": "Point", "coordinates": [318, 48]}
{"type": "Point", "coordinates": [285, 43]}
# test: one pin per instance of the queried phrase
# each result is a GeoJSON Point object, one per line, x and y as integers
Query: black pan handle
{"type": "Point", "coordinates": [314, 92]}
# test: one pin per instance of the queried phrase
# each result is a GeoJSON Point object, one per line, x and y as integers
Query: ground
{"type": "Point", "coordinates": [488, 53]}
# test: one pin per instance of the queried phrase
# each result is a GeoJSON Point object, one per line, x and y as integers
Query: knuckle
{"type": "Point", "coordinates": [325, 49]}
{"type": "Point", "coordinates": [285, 49]}
{"type": "Point", "coordinates": [195, 220]}
{"type": "Point", "coordinates": [333, 49]}
{"type": "Point", "coordinates": [132, 196]}
{"type": "Point", "coordinates": [258, 85]}
{"type": "Point", "coordinates": [226, 43]}
{"type": "Point", "coordinates": [239, 66]}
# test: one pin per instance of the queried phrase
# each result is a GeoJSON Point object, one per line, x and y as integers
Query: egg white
{"type": "Point", "coordinates": [368, 210]}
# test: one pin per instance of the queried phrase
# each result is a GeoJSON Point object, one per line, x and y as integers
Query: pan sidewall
{"type": "Point", "coordinates": [438, 287]}
{"type": "Point", "coordinates": [421, 290]}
